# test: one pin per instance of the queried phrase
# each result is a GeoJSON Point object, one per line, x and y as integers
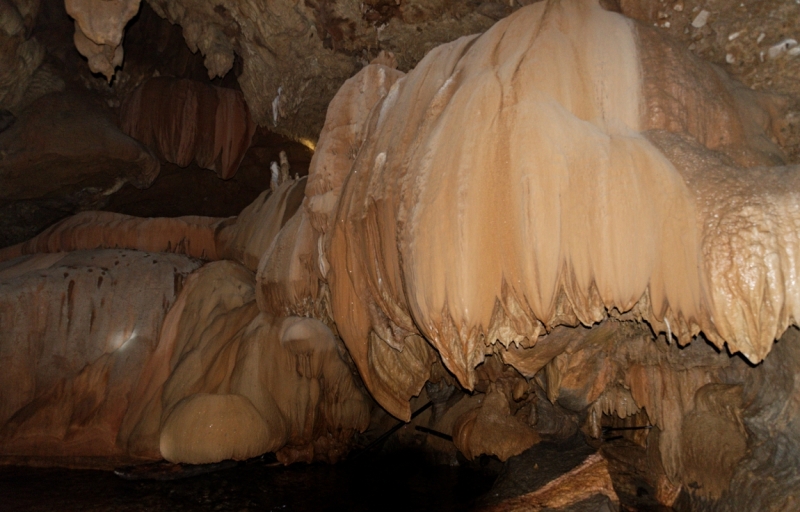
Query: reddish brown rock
{"type": "Point", "coordinates": [183, 120]}
{"type": "Point", "coordinates": [589, 479]}
{"type": "Point", "coordinates": [272, 383]}
{"type": "Point", "coordinates": [62, 155]}
{"type": "Point", "coordinates": [595, 218]}
{"type": "Point", "coordinates": [491, 429]}
{"type": "Point", "coordinates": [192, 236]}
{"type": "Point", "coordinates": [65, 141]}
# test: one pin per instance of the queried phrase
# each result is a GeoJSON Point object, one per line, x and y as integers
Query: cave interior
{"type": "Point", "coordinates": [400, 254]}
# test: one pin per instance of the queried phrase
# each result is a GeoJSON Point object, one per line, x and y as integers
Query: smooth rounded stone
{"type": "Point", "coordinates": [205, 428]}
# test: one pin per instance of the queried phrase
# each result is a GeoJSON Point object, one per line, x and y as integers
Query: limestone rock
{"type": "Point", "coordinates": [334, 38]}
{"type": "Point", "coordinates": [63, 154]}
{"type": "Point", "coordinates": [257, 226]}
{"type": "Point", "coordinates": [231, 382]}
{"type": "Point", "coordinates": [64, 140]}
{"type": "Point", "coordinates": [491, 429]}
{"type": "Point", "coordinates": [341, 138]}
{"type": "Point", "coordinates": [566, 477]}
{"type": "Point", "coordinates": [183, 120]}
{"type": "Point", "coordinates": [78, 330]}
{"type": "Point", "coordinates": [102, 372]}
{"type": "Point", "coordinates": [21, 56]}
{"type": "Point", "coordinates": [596, 217]}
{"type": "Point", "coordinates": [287, 278]}
{"type": "Point", "coordinates": [192, 236]}
{"type": "Point", "coordinates": [531, 214]}
{"type": "Point", "coordinates": [99, 29]}
{"type": "Point", "coordinates": [711, 459]}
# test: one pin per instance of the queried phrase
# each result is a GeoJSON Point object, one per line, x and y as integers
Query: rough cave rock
{"type": "Point", "coordinates": [573, 194]}
{"type": "Point", "coordinates": [64, 154]}
{"type": "Point", "coordinates": [530, 217]}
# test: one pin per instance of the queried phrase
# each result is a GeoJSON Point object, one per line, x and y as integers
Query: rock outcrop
{"type": "Point", "coordinates": [213, 377]}
{"type": "Point", "coordinates": [231, 382]}
{"type": "Point", "coordinates": [23, 75]}
{"type": "Point", "coordinates": [78, 331]}
{"type": "Point", "coordinates": [62, 155]}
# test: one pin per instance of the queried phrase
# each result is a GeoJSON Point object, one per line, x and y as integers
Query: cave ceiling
{"type": "Point", "coordinates": [295, 55]}
{"type": "Point", "coordinates": [290, 58]}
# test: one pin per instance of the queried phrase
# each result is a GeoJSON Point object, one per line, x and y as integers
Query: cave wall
{"type": "Point", "coordinates": [529, 218]}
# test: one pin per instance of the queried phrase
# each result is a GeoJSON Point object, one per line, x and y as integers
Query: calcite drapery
{"type": "Point", "coordinates": [183, 120]}
{"type": "Point", "coordinates": [78, 330]}
{"type": "Point", "coordinates": [206, 351]}
{"type": "Point", "coordinates": [556, 205]}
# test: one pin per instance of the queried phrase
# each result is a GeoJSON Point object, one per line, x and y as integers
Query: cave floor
{"type": "Point", "coordinates": [402, 481]}
{"type": "Point", "coordinates": [396, 482]}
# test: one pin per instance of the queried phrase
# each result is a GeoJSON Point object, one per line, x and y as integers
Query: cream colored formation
{"type": "Point", "coordinates": [549, 172]}
{"type": "Point", "coordinates": [144, 355]}
{"type": "Point", "coordinates": [99, 31]}
{"type": "Point", "coordinates": [565, 200]}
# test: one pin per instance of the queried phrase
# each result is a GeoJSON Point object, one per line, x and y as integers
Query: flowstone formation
{"type": "Point", "coordinates": [564, 222]}
{"type": "Point", "coordinates": [205, 375]}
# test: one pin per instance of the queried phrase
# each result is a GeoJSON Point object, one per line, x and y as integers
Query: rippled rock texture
{"type": "Point", "coordinates": [185, 120]}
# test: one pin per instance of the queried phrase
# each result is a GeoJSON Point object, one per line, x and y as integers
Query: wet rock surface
{"type": "Point", "coordinates": [502, 360]}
